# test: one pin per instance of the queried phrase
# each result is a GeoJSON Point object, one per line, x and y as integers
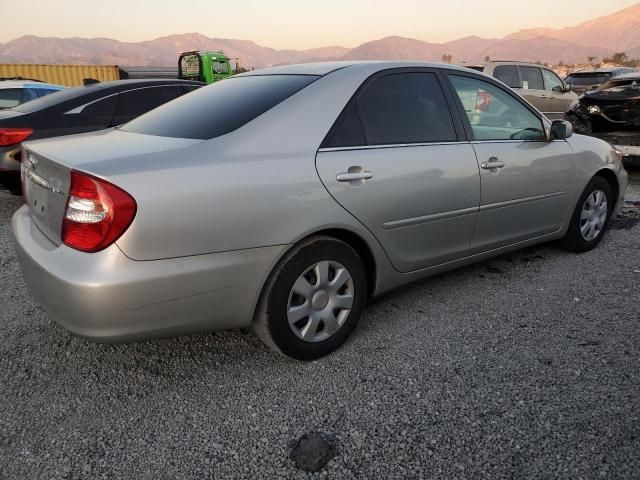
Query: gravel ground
{"type": "Point", "coordinates": [526, 366]}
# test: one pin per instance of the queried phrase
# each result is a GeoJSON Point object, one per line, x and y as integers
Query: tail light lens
{"type": "Point", "coordinates": [483, 101]}
{"type": "Point", "coordinates": [97, 213]}
{"type": "Point", "coordinates": [13, 136]}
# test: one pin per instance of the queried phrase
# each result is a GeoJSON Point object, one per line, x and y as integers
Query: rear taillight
{"type": "Point", "coordinates": [97, 213]}
{"type": "Point", "coordinates": [483, 101]}
{"type": "Point", "coordinates": [13, 136]}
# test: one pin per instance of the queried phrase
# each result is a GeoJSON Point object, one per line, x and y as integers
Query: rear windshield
{"type": "Point", "coordinates": [587, 79]}
{"type": "Point", "coordinates": [219, 108]}
{"type": "Point", "coordinates": [10, 97]}
{"type": "Point", "coordinates": [54, 98]}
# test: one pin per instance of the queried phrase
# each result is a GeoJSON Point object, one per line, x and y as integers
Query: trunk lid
{"type": "Point", "coordinates": [47, 164]}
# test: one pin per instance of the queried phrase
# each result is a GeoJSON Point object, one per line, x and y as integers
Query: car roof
{"type": "Point", "coordinates": [28, 84]}
{"type": "Point", "coordinates": [324, 68]}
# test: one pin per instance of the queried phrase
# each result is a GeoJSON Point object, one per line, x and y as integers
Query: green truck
{"type": "Point", "coordinates": [206, 67]}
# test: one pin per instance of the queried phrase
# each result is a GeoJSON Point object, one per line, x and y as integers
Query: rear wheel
{"type": "Point", "coordinates": [590, 216]}
{"type": "Point", "coordinates": [313, 300]}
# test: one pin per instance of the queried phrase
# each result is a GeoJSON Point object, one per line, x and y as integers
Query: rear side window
{"type": "Point", "coordinates": [348, 131]}
{"type": "Point", "coordinates": [134, 103]}
{"type": "Point", "coordinates": [98, 113]}
{"type": "Point", "coordinates": [406, 108]}
{"type": "Point", "coordinates": [507, 74]}
{"type": "Point", "coordinates": [219, 108]}
{"type": "Point", "coordinates": [531, 78]}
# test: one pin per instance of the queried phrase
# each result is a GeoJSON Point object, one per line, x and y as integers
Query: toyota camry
{"type": "Point", "coordinates": [284, 199]}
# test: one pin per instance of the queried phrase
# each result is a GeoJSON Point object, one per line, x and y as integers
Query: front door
{"type": "Point", "coordinates": [393, 160]}
{"type": "Point", "coordinates": [560, 101]}
{"type": "Point", "coordinates": [526, 180]}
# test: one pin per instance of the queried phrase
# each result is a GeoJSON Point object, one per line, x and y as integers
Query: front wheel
{"type": "Point", "coordinates": [580, 125]}
{"type": "Point", "coordinates": [590, 216]}
{"type": "Point", "coordinates": [313, 299]}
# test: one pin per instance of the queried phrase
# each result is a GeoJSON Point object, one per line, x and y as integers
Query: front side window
{"type": "Point", "coordinates": [403, 108]}
{"type": "Point", "coordinates": [494, 114]}
{"type": "Point", "coordinates": [531, 78]}
{"type": "Point", "coordinates": [552, 80]}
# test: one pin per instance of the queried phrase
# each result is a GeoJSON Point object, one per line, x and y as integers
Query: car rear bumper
{"type": "Point", "coordinates": [108, 297]}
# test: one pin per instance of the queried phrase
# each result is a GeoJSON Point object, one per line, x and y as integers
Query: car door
{"type": "Point", "coordinates": [133, 103]}
{"type": "Point", "coordinates": [532, 87]}
{"type": "Point", "coordinates": [526, 180]}
{"type": "Point", "coordinates": [395, 160]}
{"type": "Point", "coordinates": [560, 99]}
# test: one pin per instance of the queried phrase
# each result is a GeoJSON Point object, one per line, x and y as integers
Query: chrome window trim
{"type": "Point", "coordinates": [391, 145]}
{"type": "Point", "coordinates": [82, 107]}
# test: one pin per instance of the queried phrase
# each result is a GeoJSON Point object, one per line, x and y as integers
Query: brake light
{"type": "Point", "coordinates": [97, 213]}
{"type": "Point", "coordinates": [13, 136]}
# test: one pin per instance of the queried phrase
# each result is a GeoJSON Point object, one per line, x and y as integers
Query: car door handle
{"type": "Point", "coordinates": [353, 176]}
{"type": "Point", "coordinates": [492, 163]}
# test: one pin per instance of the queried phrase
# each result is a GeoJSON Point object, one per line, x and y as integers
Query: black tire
{"type": "Point", "coordinates": [581, 126]}
{"type": "Point", "coordinates": [574, 240]}
{"type": "Point", "coordinates": [11, 181]}
{"type": "Point", "coordinates": [270, 321]}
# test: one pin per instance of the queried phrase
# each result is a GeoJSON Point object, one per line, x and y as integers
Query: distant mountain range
{"type": "Point", "coordinates": [598, 38]}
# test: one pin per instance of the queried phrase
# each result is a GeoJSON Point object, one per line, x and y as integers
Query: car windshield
{"type": "Point", "coordinates": [10, 97]}
{"type": "Point", "coordinates": [587, 79]}
{"type": "Point", "coordinates": [219, 108]}
{"type": "Point", "coordinates": [619, 83]}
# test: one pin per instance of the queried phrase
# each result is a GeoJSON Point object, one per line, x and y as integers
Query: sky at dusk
{"type": "Point", "coordinates": [295, 24]}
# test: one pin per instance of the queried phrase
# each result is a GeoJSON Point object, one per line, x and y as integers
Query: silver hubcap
{"type": "Point", "coordinates": [594, 215]}
{"type": "Point", "coordinates": [320, 301]}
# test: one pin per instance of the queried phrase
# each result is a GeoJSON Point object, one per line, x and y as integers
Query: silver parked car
{"type": "Point", "coordinates": [314, 188]}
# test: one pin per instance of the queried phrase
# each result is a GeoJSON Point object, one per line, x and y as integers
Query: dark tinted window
{"type": "Point", "coordinates": [134, 103]}
{"type": "Point", "coordinates": [531, 78]}
{"type": "Point", "coordinates": [96, 113]}
{"type": "Point", "coordinates": [219, 108]}
{"type": "Point", "coordinates": [587, 79]}
{"type": "Point", "coordinates": [507, 74]}
{"type": "Point", "coordinates": [348, 131]}
{"type": "Point", "coordinates": [406, 108]}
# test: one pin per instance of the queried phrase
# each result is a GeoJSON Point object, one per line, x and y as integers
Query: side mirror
{"type": "Point", "coordinates": [561, 129]}
{"type": "Point", "coordinates": [559, 89]}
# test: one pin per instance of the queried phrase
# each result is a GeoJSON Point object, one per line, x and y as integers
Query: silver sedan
{"type": "Point", "coordinates": [285, 198]}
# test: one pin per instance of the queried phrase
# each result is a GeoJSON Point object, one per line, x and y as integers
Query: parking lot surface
{"type": "Point", "coordinates": [525, 366]}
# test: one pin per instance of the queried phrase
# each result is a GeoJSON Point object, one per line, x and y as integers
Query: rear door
{"type": "Point", "coordinates": [397, 161]}
{"type": "Point", "coordinates": [526, 179]}
{"type": "Point", "coordinates": [133, 103]}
